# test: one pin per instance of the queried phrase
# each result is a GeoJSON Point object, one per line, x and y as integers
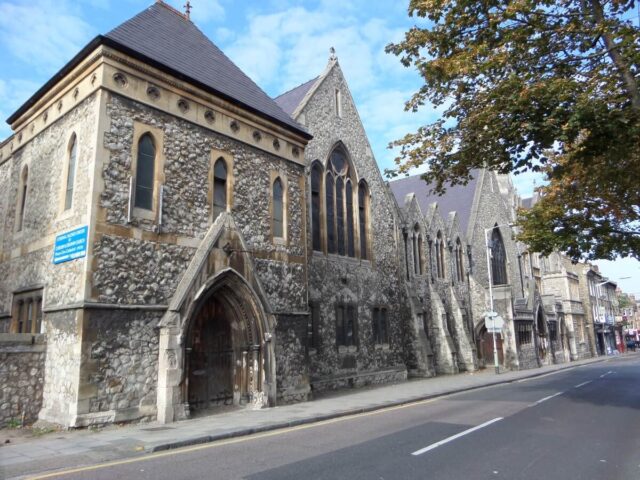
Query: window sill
{"type": "Point", "coordinates": [65, 214]}
{"type": "Point", "coordinates": [384, 347]}
{"type": "Point", "coordinates": [143, 213]}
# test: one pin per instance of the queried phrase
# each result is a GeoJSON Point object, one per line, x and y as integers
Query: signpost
{"type": "Point", "coordinates": [494, 324]}
{"type": "Point", "coordinates": [70, 245]}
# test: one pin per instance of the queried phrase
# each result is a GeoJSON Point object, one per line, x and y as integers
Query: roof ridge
{"type": "Point", "coordinates": [173, 10]}
{"type": "Point", "coordinates": [298, 86]}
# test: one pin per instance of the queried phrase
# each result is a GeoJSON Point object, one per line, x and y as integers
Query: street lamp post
{"type": "Point", "coordinates": [493, 314]}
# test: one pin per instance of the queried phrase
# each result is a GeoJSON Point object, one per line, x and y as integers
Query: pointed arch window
{"type": "Point", "coordinates": [22, 200]}
{"type": "Point", "coordinates": [363, 219]}
{"type": "Point", "coordinates": [459, 261]}
{"type": "Point", "coordinates": [498, 259]}
{"type": "Point", "coordinates": [417, 251]}
{"type": "Point", "coordinates": [145, 172]}
{"type": "Point", "coordinates": [439, 255]}
{"type": "Point", "coordinates": [278, 209]}
{"type": "Point", "coordinates": [316, 180]}
{"type": "Point", "coordinates": [219, 187]}
{"type": "Point", "coordinates": [420, 261]}
{"type": "Point", "coordinates": [71, 172]}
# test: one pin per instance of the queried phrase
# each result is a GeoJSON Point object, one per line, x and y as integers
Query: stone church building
{"type": "Point", "coordinates": [172, 240]}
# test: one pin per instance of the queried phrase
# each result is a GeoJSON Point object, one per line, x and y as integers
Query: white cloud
{"type": "Point", "coordinates": [13, 93]}
{"type": "Point", "coordinates": [42, 33]}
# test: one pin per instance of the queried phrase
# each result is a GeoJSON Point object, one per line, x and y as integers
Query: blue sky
{"type": "Point", "coordinates": [278, 43]}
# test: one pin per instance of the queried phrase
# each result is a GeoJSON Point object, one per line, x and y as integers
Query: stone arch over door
{"type": "Point", "coordinates": [221, 276]}
{"type": "Point", "coordinates": [248, 352]}
{"type": "Point", "coordinates": [224, 352]}
{"type": "Point", "coordinates": [484, 347]}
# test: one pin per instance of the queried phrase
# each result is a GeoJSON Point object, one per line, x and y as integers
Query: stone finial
{"type": "Point", "coordinates": [187, 9]}
{"type": "Point", "coordinates": [332, 54]}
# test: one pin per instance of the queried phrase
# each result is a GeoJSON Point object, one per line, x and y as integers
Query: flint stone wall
{"type": "Point", "coordinates": [292, 374]}
{"type": "Point", "coordinates": [527, 356]}
{"type": "Point", "coordinates": [22, 360]}
{"type": "Point", "coordinates": [122, 362]}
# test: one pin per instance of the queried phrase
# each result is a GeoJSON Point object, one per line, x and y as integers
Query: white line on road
{"type": "Point", "coordinates": [548, 398]}
{"type": "Point", "coordinates": [458, 435]}
{"type": "Point", "coordinates": [583, 384]}
{"type": "Point", "coordinates": [605, 374]}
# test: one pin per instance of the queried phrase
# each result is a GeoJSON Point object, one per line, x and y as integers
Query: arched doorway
{"type": "Point", "coordinates": [543, 341]}
{"type": "Point", "coordinates": [223, 352]}
{"type": "Point", "coordinates": [484, 342]}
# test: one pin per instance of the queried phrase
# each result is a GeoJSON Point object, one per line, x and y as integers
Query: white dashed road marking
{"type": "Point", "coordinates": [456, 436]}
{"type": "Point", "coordinates": [583, 384]}
{"type": "Point", "coordinates": [548, 398]}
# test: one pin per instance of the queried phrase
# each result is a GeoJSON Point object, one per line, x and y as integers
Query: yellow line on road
{"type": "Point", "coordinates": [230, 441]}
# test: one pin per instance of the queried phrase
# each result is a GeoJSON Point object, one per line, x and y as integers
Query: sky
{"type": "Point", "coordinates": [278, 43]}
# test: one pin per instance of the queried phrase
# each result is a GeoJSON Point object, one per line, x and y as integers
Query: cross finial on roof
{"type": "Point", "coordinates": [332, 54]}
{"type": "Point", "coordinates": [187, 9]}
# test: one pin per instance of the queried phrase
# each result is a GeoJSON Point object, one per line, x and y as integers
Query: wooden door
{"type": "Point", "coordinates": [211, 359]}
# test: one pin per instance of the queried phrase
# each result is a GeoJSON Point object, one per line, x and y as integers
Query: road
{"type": "Point", "coordinates": [582, 423]}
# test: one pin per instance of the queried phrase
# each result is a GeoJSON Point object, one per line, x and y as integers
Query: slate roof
{"type": "Point", "coordinates": [166, 39]}
{"type": "Point", "coordinates": [458, 198]}
{"type": "Point", "coordinates": [289, 101]}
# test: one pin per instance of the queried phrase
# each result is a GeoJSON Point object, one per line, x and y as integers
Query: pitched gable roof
{"type": "Point", "coordinates": [458, 198]}
{"type": "Point", "coordinates": [166, 39]}
{"type": "Point", "coordinates": [290, 100]}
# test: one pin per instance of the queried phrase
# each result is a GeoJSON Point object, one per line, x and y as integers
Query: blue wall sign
{"type": "Point", "coordinates": [70, 245]}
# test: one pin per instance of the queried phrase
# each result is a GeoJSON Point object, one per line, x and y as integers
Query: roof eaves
{"type": "Point", "coordinates": [109, 42]}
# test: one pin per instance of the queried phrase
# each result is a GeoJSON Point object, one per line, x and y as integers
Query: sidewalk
{"type": "Point", "coordinates": [82, 447]}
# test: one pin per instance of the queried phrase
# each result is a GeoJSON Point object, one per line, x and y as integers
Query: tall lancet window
{"type": "Point", "coordinates": [22, 199]}
{"type": "Point", "coordinates": [71, 172]}
{"type": "Point", "coordinates": [329, 196]}
{"type": "Point", "coordinates": [278, 209]}
{"type": "Point", "coordinates": [363, 219]}
{"type": "Point", "coordinates": [459, 261]}
{"type": "Point", "coordinates": [145, 172]}
{"type": "Point", "coordinates": [316, 180]}
{"type": "Point", "coordinates": [340, 214]}
{"type": "Point", "coordinates": [219, 187]}
{"type": "Point", "coordinates": [498, 259]}
{"type": "Point", "coordinates": [351, 248]}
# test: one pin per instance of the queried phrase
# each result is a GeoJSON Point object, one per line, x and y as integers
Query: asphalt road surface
{"type": "Point", "coordinates": [582, 423]}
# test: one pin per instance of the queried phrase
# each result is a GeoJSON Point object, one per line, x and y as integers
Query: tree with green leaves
{"type": "Point", "coordinates": [548, 86]}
